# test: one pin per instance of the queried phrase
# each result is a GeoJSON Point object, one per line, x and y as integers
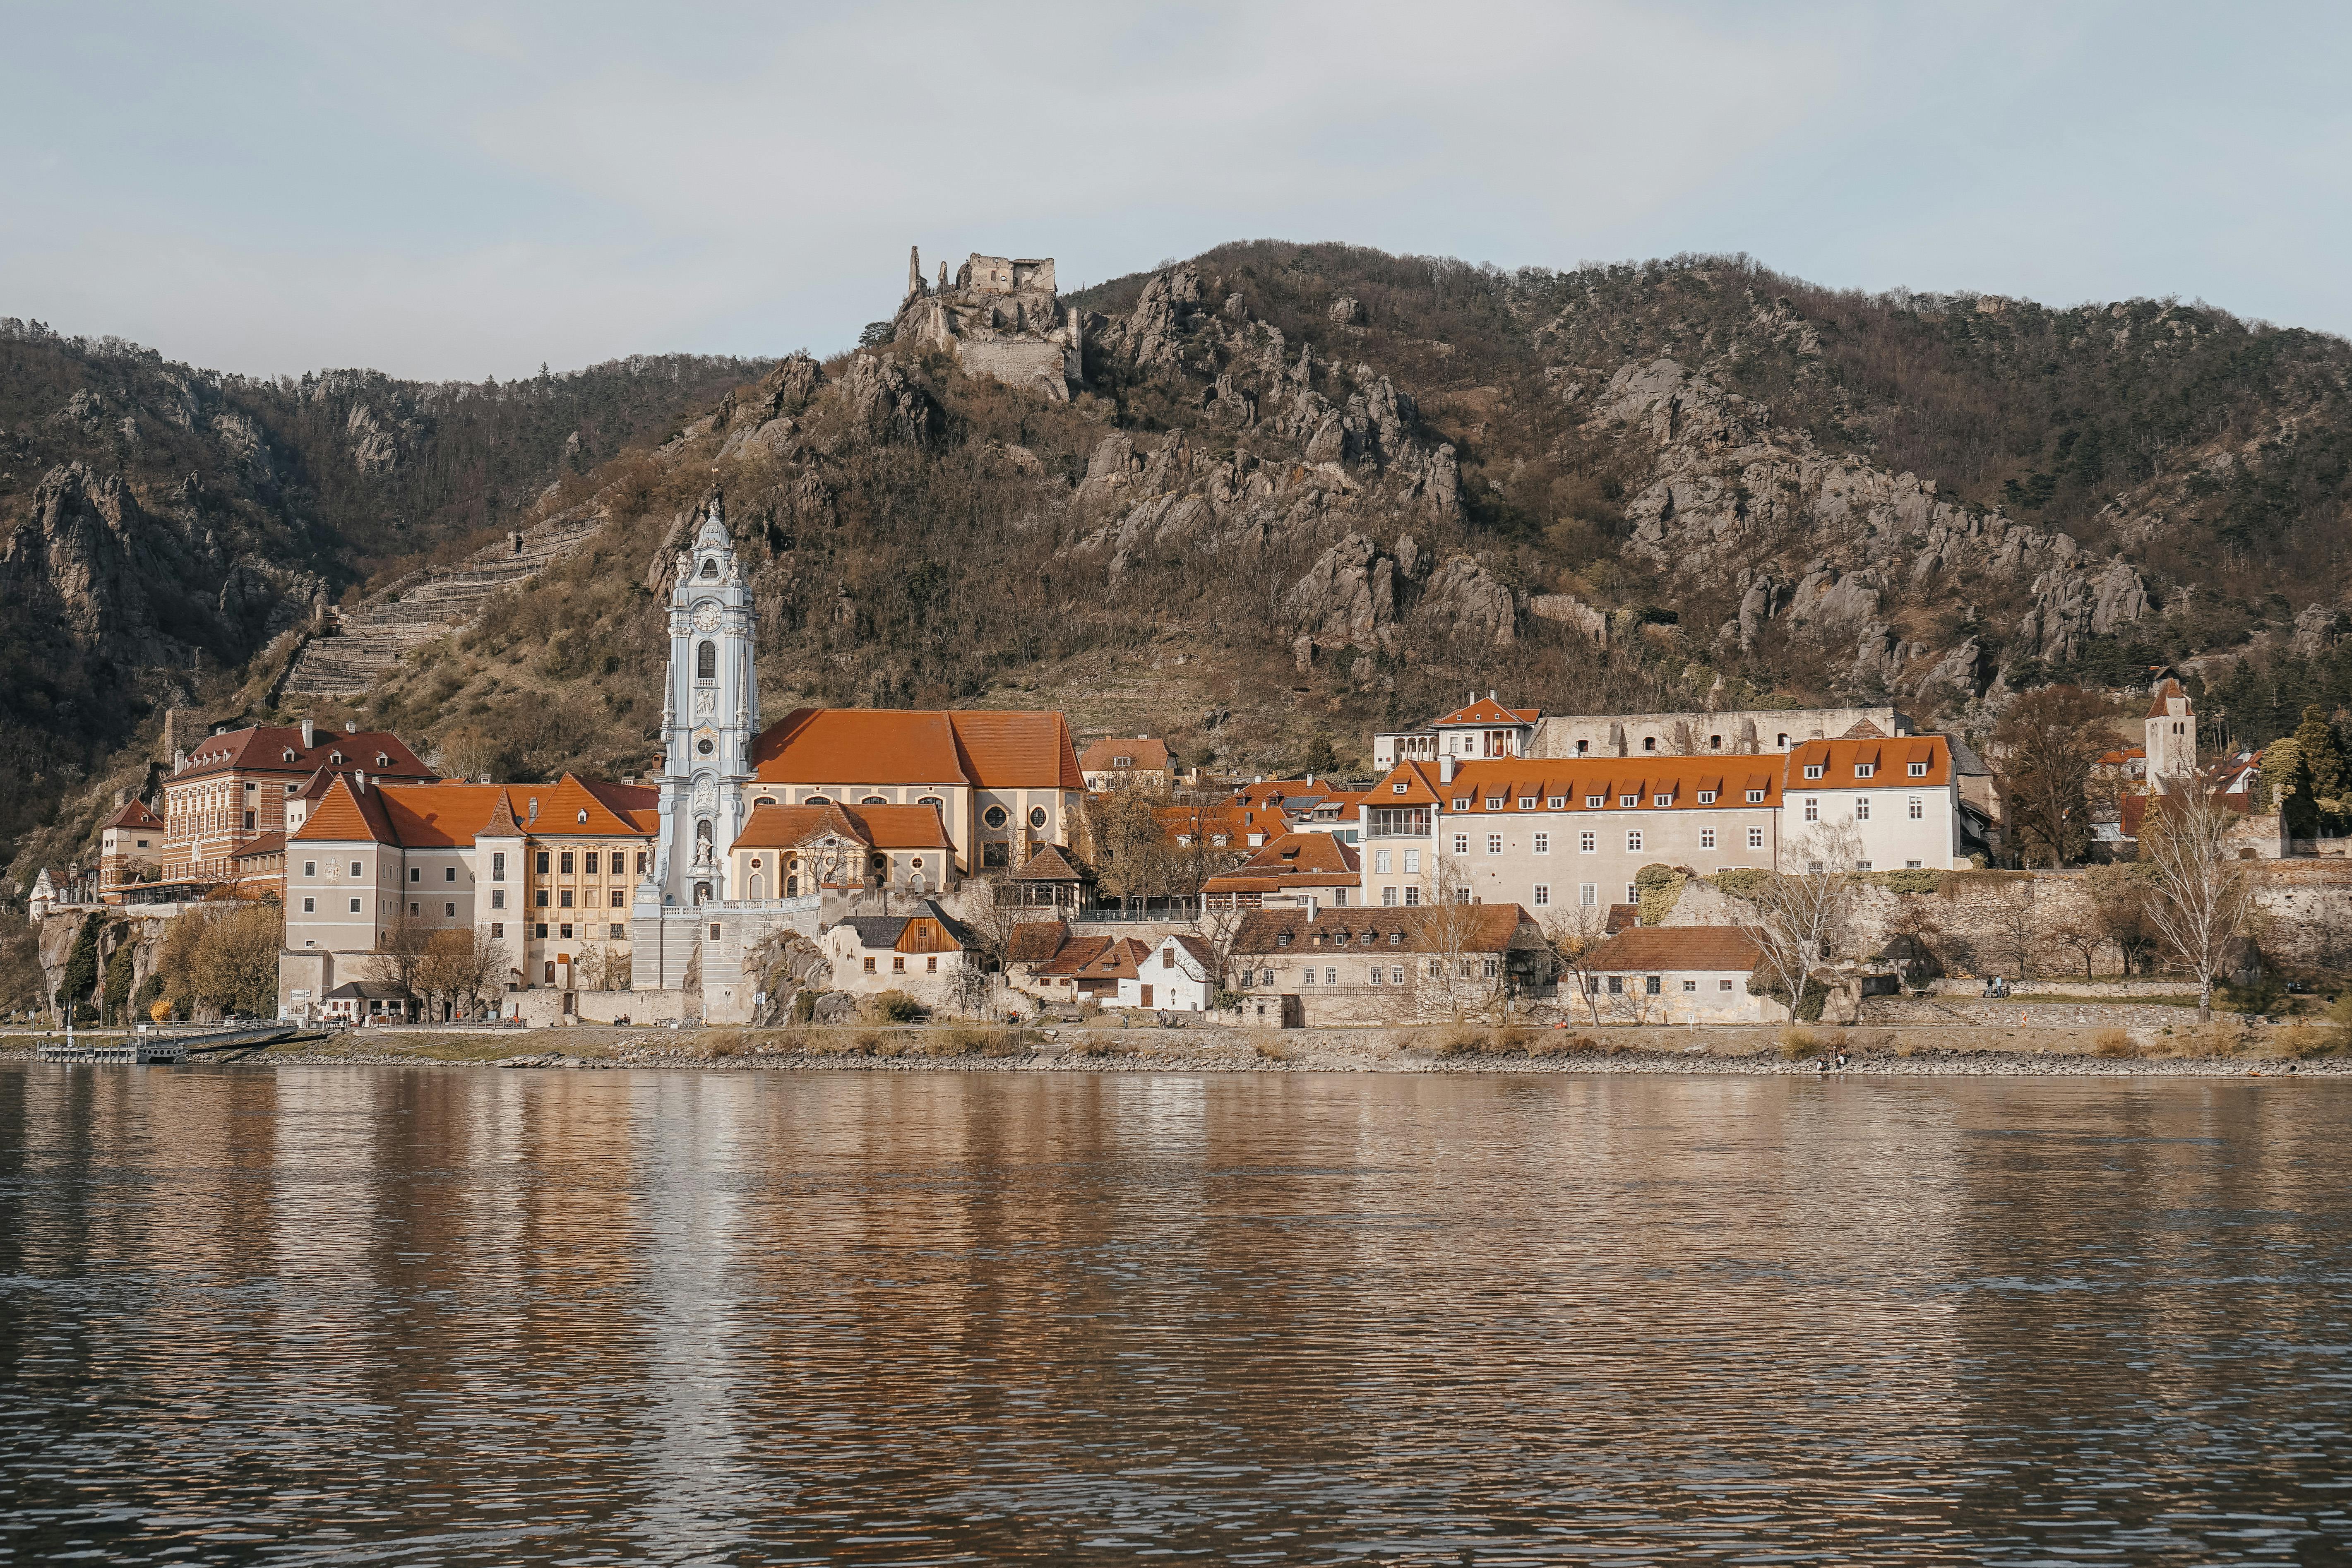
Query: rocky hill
{"type": "Point", "coordinates": [1303, 491]}
{"type": "Point", "coordinates": [161, 526]}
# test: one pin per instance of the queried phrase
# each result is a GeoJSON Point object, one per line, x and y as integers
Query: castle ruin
{"type": "Point", "coordinates": [1000, 318]}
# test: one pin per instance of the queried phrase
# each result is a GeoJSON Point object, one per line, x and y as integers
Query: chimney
{"type": "Point", "coordinates": [350, 727]}
{"type": "Point", "coordinates": [309, 737]}
{"type": "Point", "coordinates": [359, 780]}
{"type": "Point", "coordinates": [1445, 768]}
{"type": "Point", "coordinates": [179, 761]}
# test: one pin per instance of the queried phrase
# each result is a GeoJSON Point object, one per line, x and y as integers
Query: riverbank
{"type": "Point", "coordinates": [2227, 1048]}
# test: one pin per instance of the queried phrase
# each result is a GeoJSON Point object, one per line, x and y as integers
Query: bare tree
{"type": "Point", "coordinates": [2119, 898]}
{"type": "Point", "coordinates": [2048, 743]}
{"type": "Point", "coordinates": [398, 957]}
{"type": "Point", "coordinates": [2014, 926]}
{"type": "Point", "coordinates": [2204, 899]}
{"type": "Point", "coordinates": [1450, 926]}
{"type": "Point", "coordinates": [1575, 933]}
{"type": "Point", "coordinates": [2078, 933]}
{"type": "Point", "coordinates": [1800, 918]}
{"type": "Point", "coordinates": [1218, 928]}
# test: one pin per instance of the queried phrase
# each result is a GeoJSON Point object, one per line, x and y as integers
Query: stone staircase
{"type": "Point", "coordinates": [421, 606]}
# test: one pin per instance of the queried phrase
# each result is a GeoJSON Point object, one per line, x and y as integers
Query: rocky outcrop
{"type": "Point", "coordinates": [1347, 595]}
{"type": "Point", "coordinates": [1569, 610]}
{"type": "Point", "coordinates": [1470, 600]}
{"type": "Point", "coordinates": [885, 405]}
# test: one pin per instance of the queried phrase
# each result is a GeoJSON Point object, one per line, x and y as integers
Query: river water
{"type": "Point", "coordinates": [451, 1316]}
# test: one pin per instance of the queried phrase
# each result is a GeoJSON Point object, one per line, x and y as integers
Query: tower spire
{"type": "Point", "coordinates": [914, 271]}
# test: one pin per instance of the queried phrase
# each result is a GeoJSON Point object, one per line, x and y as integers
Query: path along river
{"type": "Point", "coordinates": [385, 1315]}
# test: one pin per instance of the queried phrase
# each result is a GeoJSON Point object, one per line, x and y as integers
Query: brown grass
{"type": "Point", "coordinates": [1268, 1047]}
{"type": "Point", "coordinates": [1797, 1046]}
{"type": "Point", "coordinates": [2115, 1045]}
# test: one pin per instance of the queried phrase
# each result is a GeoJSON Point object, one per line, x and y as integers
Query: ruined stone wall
{"type": "Point", "coordinates": [1690, 734]}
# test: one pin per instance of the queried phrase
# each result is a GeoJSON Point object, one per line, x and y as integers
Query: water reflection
{"type": "Point", "coordinates": [362, 1316]}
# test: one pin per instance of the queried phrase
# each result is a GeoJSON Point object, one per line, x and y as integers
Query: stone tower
{"type": "Point", "coordinates": [914, 270]}
{"type": "Point", "coordinates": [2171, 743]}
{"type": "Point", "coordinates": [710, 715]}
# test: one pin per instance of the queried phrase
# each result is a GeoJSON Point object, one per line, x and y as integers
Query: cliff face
{"type": "Point", "coordinates": [1297, 493]}
{"type": "Point", "coordinates": [161, 526]}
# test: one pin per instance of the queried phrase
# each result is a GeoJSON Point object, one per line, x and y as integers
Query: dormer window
{"type": "Point", "coordinates": [1461, 802]}
{"type": "Point", "coordinates": [1282, 938]}
{"type": "Point", "coordinates": [1557, 802]}
{"type": "Point", "coordinates": [1396, 789]}
{"type": "Point", "coordinates": [1864, 770]}
{"type": "Point", "coordinates": [288, 754]}
{"type": "Point", "coordinates": [334, 756]}
{"type": "Point", "coordinates": [1756, 797]}
{"type": "Point", "coordinates": [1706, 798]}
{"type": "Point", "coordinates": [1594, 802]}
{"type": "Point", "coordinates": [1812, 770]}
{"type": "Point", "coordinates": [1122, 761]}
{"type": "Point", "coordinates": [1370, 937]}
{"type": "Point", "coordinates": [582, 819]}
{"type": "Point", "coordinates": [383, 761]}
{"type": "Point", "coordinates": [1527, 803]}
{"type": "Point", "coordinates": [1629, 800]}
{"type": "Point", "coordinates": [1493, 803]}
{"type": "Point", "coordinates": [1396, 939]}
{"type": "Point", "coordinates": [1661, 800]}
{"type": "Point", "coordinates": [1918, 770]}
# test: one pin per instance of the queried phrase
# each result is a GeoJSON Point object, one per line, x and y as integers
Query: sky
{"type": "Point", "coordinates": [451, 191]}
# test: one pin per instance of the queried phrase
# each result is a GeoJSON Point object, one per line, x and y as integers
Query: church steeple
{"type": "Point", "coordinates": [711, 713]}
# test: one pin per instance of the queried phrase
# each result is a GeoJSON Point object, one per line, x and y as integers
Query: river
{"type": "Point", "coordinates": [346, 1315]}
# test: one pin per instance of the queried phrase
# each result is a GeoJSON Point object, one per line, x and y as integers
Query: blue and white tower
{"type": "Point", "coordinates": [711, 714]}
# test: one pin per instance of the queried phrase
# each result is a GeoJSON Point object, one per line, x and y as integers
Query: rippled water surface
{"type": "Point", "coordinates": [340, 1315]}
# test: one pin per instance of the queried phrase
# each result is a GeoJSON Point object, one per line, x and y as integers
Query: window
{"type": "Point", "coordinates": [1306, 977]}
{"type": "Point", "coordinates": [1556, 802]}
{"type": "Point", "coordinates": [416, 873]}
{"type": "Point", "coordinates": [1650, 984]}
{"type": "Point", "coordinates": [616, 901]}
{"type": "Point", "coordinates": [1397, 788]}
{"type": "Point", "coordinates": [542, 862]}
{"type": "Point", "coordinates": [1494, 803]}
{"type": "Point", "coordinates": [539, 929]}
{"type": "Point", "coordinates": [1629, 800]}
{"type": "Point", "coordinates": [1812, 810]}
{"type": "Point", "coordinates": [310, 906]}
{"type": "Point", "coordinates": [1690, 985]}
{"type": "Point", "coordinates": [448, 873]}
{"type": "Point", "coordinates": [1582, 747]}
{"type": "Point", "coordinates": [1282, 938]}
{"type": "Point", "coordinates": [1494, 844]}
{"type": "Point", "coordinates": [1756, 839]}
{"type": "Point", "coordinates": [449, 912]}
{"type": "Point", "coordinates": [498, 931]}
{"type": "Point", "coordinates": [869, 966]}
{"type": "Point", "coordinates": [1864, 770]}
{"type": "Point", "coordinates": [355, 905]}
{"type": "Point", "coordinates": [1338, 898]}
{"type": "Point", "coordinates": [413, 908]}
{"type": "Point", "coordinates": [616, 931]}
{"type": "Point", "coordinates": [1861, 809]}
{"type": "Point", "coordinates": [705, 661]}
{"type": "Point", "coordinates": [1543, 894]}
{"type": "Point", "coordinates": [1812, 770]}
{"type": "Point", "coordinates": [1388, 898]}
{"type": "Point", "coordinates": [995, 816]}
{"type": "Point", "coordinates": [1918, 770]}
{"type": "Point", "coordinates": [1588, 843]}
{"type": "Point", "coordinates": [497, 898]}
{"type": "Point", "coordinates": [1265, 977]}
{"type": "Point", "coordinates": [1634, 839]}
{"type": "Point", "coordinates": [1706, 837]}
{"type": "Point", "coordinates": [897, 965]}
{"type": "Point", "coordinates": [1396, 974]}
{"type": "Point", "coordinates": [309, 868]}
{"type": "Point", "coordinates": [1862, 865]}
{"type": "Point", "coordinates": [1330, 977]}
{"type": "Point", "coordinates": [1783, 743]}
{"type": "Point", "coordinates": [497, 865]}
{"type": "Point", "coordinates": [1543, 843]}
{"type": "Point", "coordinates": [1918, 808]}
{"type": "Point", "coordinates": [1411, 896]}
{"type": "Point", "coordinates": [1649, 743]}
{"type": "Point", "coordinates": [1706, 798]}
{"type": "Point", "coordinates": [588, 863]}
{"type": "Point", "coordinates": [248, 816]}
{"type": "Point", "coordinates": [1461, 802]}
{"type": "Point", "coordinates": [565, 863]}
{"type": "Point", "coordinates": [1376, 975]}
{"type": "Point", "coordinates": [566, 932]}
{"type": "Point", "coordinates": [1594, 802]}
{"type": "Point", "coordinates": [644, 862]}
{"type": "Point", "coordinates": [1661, 800]}
{"type": "Point", "coordinates": [563, 898]}
{"type": "Point", "coordinates": [1756, 797]}
{"type": "Point", "coordinates": [995, 854]}
{"type": "Point", "coordinates": [1527, 803]}
{"type": "Point", "coordinates": [1462, 844]}
{"type": "Point", "coordinates": [1412, 862]}
{"type": "Point", "coordinates": [539, 899]}
{"type": "Point", "coordinates": [1911, 865]}
{"type": "Point", "coordinates": [1616, 985]}
{"type": "Point", "coordinates": [1382, 862]}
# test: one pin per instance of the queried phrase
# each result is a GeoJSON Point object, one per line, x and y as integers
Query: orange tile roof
{"type": "Point", "coordinates": [1573, 781]}
{"type": "Point", "coordinates": [1491, 928]}
{"type": "Point", "coordinates": [984, 749]}
{"type": "Point", "coordinates": [1293, 860]}
{"type": "Point", "coordinates": [1486, 711]}
{"type": "Point", "coordinates": [346, 814]}
{"type": "Point", "coordinates": [876, 826]}
{"type": "Point", "coordinates": [451, 815]}
{"type": "Point", "coordinates": [2170, 690]}
{"type": "Point", "coordinates": [1891, 761]}
{"type": "Point", "coordinates": [267, 844]}
{"type": "Point", "coordinates": [1099, 958]}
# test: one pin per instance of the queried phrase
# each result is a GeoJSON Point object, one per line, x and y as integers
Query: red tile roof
{"type": "Point", "coordinates": [1891, 759]}
{"type": "Point", "coordinates": [1574, 781]}
{"type": "Point", "coordinates": [876, 826]}
{"type": "Point", "coordinates": [135, 815]}
{"type": "Point", "coordinates": [1143, 755]}
{"type": "Point", "coordinates": [1490, 928]}
{"type": "Point", "coordinates": [450, 813]}
{"type": "Point", "coordinates": [1653, 948]}
{"type": "Point", "coordinates": [1487, 712]}
{"type": "Point", "coordinates": [1293, 860]}
{"type": "Point", "coordinates": [278, 749]}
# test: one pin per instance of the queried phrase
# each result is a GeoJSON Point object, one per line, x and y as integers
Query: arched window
{"type": "Point", "coordinates": [710, 569]}
{"type": "Point", "coordinates": [758, 889]}
{"type": "Point", "coordinates": [930, 800]}
{"type": "Point", "coordinates": [765, 800]}
{"type": "Point", "coordinates": [817, 800]}
{"type": "Point", "coordinates": [876, 800]}
{"type": "Point", "coordinates": [705, 661]}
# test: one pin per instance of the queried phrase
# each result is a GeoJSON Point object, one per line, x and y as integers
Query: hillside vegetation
{"type": "Point", "coordinates": [1306, 491]}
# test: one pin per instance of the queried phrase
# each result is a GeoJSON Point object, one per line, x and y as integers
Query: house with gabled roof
{"type": "Point", "coordinates": [1294, 968]}
{"type": "Point", "coordinates": [923, 950]}
{"type": "Point", "coordinates": [1297, 869]}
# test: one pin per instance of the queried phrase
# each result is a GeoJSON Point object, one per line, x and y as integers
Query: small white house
{"type": "Point", "coordinates": [1678, 975]}
{"type": "Point", "coordinates": [1177, 976]}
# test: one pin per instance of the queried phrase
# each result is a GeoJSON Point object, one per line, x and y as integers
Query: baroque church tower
{"type": "Point", "coordinates": [711, 714]}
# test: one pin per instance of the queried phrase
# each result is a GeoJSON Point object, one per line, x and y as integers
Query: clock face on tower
{"type": "Point", "coordinates": [705, 617]}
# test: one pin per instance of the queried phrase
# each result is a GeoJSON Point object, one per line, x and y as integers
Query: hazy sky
{"type": "Point", "coordinates": [439, 190]}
